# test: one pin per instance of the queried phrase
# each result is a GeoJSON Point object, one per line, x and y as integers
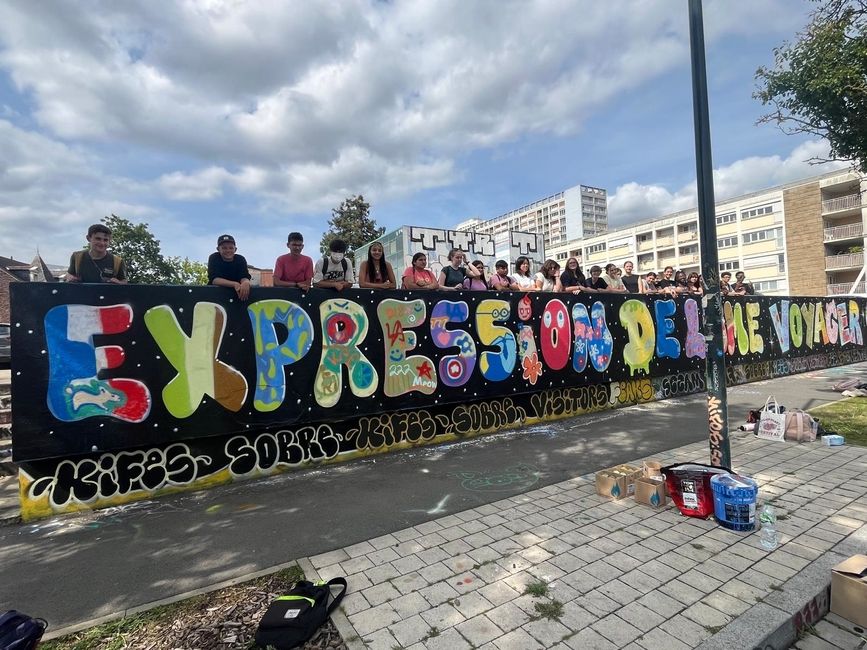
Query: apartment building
{"type": "Point", "coordinates": [574, 213]}
{"type": "Point", "coordinates": [802, 238]}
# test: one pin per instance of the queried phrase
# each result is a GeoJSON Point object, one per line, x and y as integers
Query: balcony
{"type": "Point", "coordinates": [690, 235]}
{"type": "Point", "coordinates": [849, 231]}
{"type": "Point", "coordinates": [688, 259]}
{"type": "Point", "coordinates": [844, 287]}
{"type": "Point", "coordinates": [844, 261]}
{"type": "Point", "coordinates": [841, 203]}
{"type": "Point", "coordinates": [646, 245]}
{"type": "Point", "coordinates": [664, 242]}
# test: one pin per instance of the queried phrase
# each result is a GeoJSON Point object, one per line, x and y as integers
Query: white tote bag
{"type": "Point", "coordinates": [772, 423]}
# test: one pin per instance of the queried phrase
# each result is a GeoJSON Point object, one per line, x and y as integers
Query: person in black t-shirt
{"type": "Point", "coordinates": [96, 264]}
{"type": "Point", "coordinates": [595, 283]}
{"type": "Point", "coordinates": [572, 278]}
{"type": "Point", "coordinates": [667, 279]}
{"type": "Point", "coordinates": [629, 280]}
{"type": "Point", "coordinates": [226, 269]}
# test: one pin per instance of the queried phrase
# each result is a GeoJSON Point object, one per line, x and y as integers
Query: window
{"type": "Point", "coordinates": [757, 212]}
{"type": "Point", "coordinates": [766, 285]}
{"type": "Point", "coordinates": [596, 248]}
{"type": "Point", "coordinates": [781, 261]}
{"type": "Point", "coordinates": [762, 235]}
{"type": "Point", "coordinates": [730, 217]}
{"type": "Point", "coordinates": [688, 250]}
{"type": "Point", "coordinates": [727, 242]}
{"type": "Point", "coordinates": [562, 256]}
{"type": "Point", "coordinates": [727, 266]}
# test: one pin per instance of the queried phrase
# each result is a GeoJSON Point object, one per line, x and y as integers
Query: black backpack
{"type": "Point", "coordinates": [292, 619]}
{"type": "Point", "coordinates": [19, 631]}
{"type": "Point", "coordinates": [327, 260]}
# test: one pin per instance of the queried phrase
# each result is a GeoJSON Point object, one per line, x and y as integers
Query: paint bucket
{"type": "Point", "coordinates": [688, 486]}
{"type": "Point", "coordinates": [734, 500]}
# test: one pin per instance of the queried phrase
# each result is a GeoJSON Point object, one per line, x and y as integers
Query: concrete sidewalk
{"type": "Point", "coordinates": [627, 576]}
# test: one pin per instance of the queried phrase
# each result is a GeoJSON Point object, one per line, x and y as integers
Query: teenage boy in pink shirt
{"type": "Point", "coordinates": [294, 269]}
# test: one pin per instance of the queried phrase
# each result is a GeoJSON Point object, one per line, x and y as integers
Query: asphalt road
{"type": "Point", "coordinates": [75, 568]}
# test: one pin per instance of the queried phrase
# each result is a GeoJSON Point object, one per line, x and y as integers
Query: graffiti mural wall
{"type": "Point", "coordinates": [124, 392]}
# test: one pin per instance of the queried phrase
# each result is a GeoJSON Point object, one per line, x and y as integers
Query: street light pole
{"type": "Point", "coordinates": [715, 369]}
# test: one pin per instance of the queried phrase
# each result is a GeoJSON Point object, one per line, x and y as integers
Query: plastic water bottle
{"type": "Point", "coordinates": [768, 535]}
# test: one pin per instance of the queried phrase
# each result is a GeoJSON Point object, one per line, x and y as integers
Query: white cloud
{"type": "Point", "coordinates": [634, 202]}
{"type": "Point", "coordinates": [291, 96]}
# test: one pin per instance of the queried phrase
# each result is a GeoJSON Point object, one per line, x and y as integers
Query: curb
{"type": "Point", "coordinates": [304, 563]}
{"type": "Point", "coordinates": [777, 622]}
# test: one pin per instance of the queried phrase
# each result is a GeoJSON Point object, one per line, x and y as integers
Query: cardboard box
{"type": "Point", "coordinates": [652, 468]}
{"type": "Point", "coordinates": [650, 491]}
{"type": "Point", "coordinates": [849, 589]}
{"type": "Point", "coordinates": [617, 482]}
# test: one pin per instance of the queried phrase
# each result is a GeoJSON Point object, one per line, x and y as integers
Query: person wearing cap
{"type": "Point", "coordinates": [334, 271]}
{"type": "Point", "coordinates": [226, 269]}
{"type": "Point", "coordinates": [294, 269]}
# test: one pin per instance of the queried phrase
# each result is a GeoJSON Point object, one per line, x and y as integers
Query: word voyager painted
{"type": "Point", "coordinates": [123, 392]}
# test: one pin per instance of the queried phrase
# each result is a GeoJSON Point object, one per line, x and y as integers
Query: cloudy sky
{"type": "Point", "coordinates": [256, 118]}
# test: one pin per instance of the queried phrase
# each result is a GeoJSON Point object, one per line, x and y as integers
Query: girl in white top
{"type": "Point", "coordinates": [522, 275]}
{"type": "Point", "coordinates": [548, 278]}
{"type": "Point", "coordinates": [647, 284]}
{"type": "Point", "coordinates": [612, 279]}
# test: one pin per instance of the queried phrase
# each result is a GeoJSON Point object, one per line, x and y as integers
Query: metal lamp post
{"type": "Point", "coordinates": [715, 369]}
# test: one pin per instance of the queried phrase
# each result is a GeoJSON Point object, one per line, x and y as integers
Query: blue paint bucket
{"type": "Point", "coordinates": [734, 501]}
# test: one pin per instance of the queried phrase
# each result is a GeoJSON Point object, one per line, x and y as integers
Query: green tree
{"type": "Point", "coordinates": [187, 271]}
{"type": "Point", "coordinates": [818, 83]}
{"type": "Point", "coordinates": [351, 222]}
{"type": "Point", "coordinates": [145, 263]}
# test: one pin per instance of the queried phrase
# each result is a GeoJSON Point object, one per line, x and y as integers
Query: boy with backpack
{"type": "Point", "coordinates": [96, 264]}
{"type": "Point", "coordinates": [334, 271]}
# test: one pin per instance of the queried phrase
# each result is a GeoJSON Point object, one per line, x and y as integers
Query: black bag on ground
{"type": "Point", "coordinates": [292, 619]}
{"type": "Point", "coordinates": [19, 631]}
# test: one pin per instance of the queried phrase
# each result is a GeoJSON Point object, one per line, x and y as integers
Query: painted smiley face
{"type": "Point", "coordinates": [525, 309]}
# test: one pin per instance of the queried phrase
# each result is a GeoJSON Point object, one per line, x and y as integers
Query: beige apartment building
{"type": "Point", "coordinates": [575, 213]}
{"type": "Point", "coordinates": [802, 238]}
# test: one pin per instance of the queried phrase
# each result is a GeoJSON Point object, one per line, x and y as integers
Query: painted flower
{"type": "Point", "coordinates": [532, 368]}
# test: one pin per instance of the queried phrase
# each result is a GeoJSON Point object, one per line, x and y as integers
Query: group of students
{"type": "Point", "coordinates": [294, 269]}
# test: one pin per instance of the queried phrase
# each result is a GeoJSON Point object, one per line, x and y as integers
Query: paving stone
{"type": "Point", "coordinates": [484, 554]}
{"type": "Point", "coordinates": [382, 555]}
{"type": "Point", "coordinates": [471, 604]}
{"type": "Point", "coordinates": [780, 573]}
{"type": "Point", "coordinates": [546, 571]}
{"type": "Point", "coordinates": [680, 627]}
{"type": "Point", "coordinates": [353, 603]}
{"type": "Point", "coordinates": [581, 581]}
{"type": "Point", "coordinates": [431, 555]}
{"type": "Point", "coordinates": [811, 642]}
{"type": "Point", "coordinates": [726, 603]}
{"type": "Point", "coordinates": [642, 581]}
{"type": "Point", "coordinates": [478, 630]}
{"type": "Point", "coordinates": [659, 569]}
{"type": "Point", "coordinates": [597, 603]}
{"type": "Point", "coordinates": [659, 639]}
{"type": "Point", "coordinates": [517, 640]}
{"type": "Point", "coordinates": [683, 592]}
{"type": "Point", "coordinates": [327, 559]}
{"type": "Point", "coordinates": [620, 592]}
{"type": "Point", "coordinates": [456, 547]}
{"type": "Point", "coordinates": [576, 618]}
{"type": "Point", "coordinates": [438, 593]}
{"type": "Point", "coordinates": [568, 562]}
{"type": "Point", "coordinates": [408, 564]}
{"type": "Point", "coordinates": [706, 616]}
{"type": "Point", "coordinates": [448, 640]}
{"type": "Point", "coordinates": [379, 594]}
{"type": "Point", "coordinates": [616, 630]}
{"type": "Point", "coordinates": [442, 616]}
{"type": "Point", "coordinates": [546, 632]}
{"type": "Point", "coordinates": [409, 605]}
{"type": "Point", "coordinates": [507, 616]}
{"type": "Point", "coordinates": [459, 563]}
{"type": "Point", "coordinates": [498, 593]}
{"type": "Point", "coordinates": [409, 583]}
{"type": "Point", "coordinates": [744, 591]}
{"type": "Point", "coordinates": [717, 570]}
{"type": "Point", "coordinates": [701, 581]}
{"type": "Point", "coordinates": [358, 581]}
{"type": "Point", "coordinates": [837, 636]}
{"type": "Point", "coordinates": [374, 619]}
{"type": "Point", "coordinates": [435, 572]}
{"type": "Point", "coordinates": [602, 570]}
{"type": "Point", "coordinates": [410, 630]}
{"type": "Point", "coordinates": [661, 603]}
{"type": "Point", "coordinates": [640, 616]}
{"type": "Point", "coordinates": [589, 639]}
{"type": "Point", "coordinates": [382, 573]}
{"type": "Point", "coordinates": [379, 640]}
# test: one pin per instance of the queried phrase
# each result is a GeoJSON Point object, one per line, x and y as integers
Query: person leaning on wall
{"type": "Point", "coordinates": [376, 272]}
{"type": "Point", "coordinates": [418, 276]}
{"type": "Point", "coordinates": [227, 269]}
{"type": "Point", "coordinates": [96, 264]}
{"type": "Point", "coordinates": [294, 269]}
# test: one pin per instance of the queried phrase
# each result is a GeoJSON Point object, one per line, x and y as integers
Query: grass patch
{"type": "Point", "coordinates": [552, 610]}
{"type": "Point", "coordinates": [431, 634]}
{"type": "Point", "coordinates": [537, 589]}
{"type": "Point", "coordinates": [146, 628]}
{"type": "Point", "coordinates": [713, 629]}
{"type": "Point", "coordinates": [848, 417]}
{"type": "Point", "coordinates": [697, 547]}
{"type": "Point", "coordinates": [775, 588]}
